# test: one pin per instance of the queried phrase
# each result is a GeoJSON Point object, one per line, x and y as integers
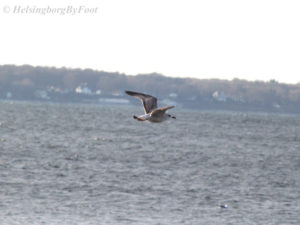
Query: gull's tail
{"type": "Point", "coordinates": [138, 118]}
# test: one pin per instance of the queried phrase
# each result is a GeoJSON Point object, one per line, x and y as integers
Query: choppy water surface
{"type": "Point", "coordinates": [89, 164]}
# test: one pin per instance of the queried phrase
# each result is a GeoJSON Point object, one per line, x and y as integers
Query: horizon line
{"type": "Point", "coordinates": [149, 73]}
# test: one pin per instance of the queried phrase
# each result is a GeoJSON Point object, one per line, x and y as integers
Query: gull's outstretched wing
{"type": "Point", "coordinates": [149, 102]}
{"type": "Point", "coordinates": [160, 111]}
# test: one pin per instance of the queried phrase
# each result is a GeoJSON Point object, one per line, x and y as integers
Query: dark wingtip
{"type": "Point", "coordinates": [131, 93]}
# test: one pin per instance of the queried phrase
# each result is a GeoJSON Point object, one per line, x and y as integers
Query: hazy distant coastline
{"type": "Point", "coordinates": [76, 85]}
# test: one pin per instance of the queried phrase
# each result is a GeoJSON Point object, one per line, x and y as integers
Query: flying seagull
{"type": "Point", "coordinates": [152, 113]}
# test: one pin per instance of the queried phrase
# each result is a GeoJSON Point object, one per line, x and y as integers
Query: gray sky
{"type": "Point", "coordinates": [226, 39]}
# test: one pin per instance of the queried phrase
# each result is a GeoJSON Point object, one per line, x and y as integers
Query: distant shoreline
{"type": "Point", "coordinates": [49, 84]}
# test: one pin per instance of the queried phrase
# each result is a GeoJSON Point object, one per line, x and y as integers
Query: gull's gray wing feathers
{"type": "Point", "coordinates": [149, 102]}
{"type": "Point", "coordinates": [160, 111]}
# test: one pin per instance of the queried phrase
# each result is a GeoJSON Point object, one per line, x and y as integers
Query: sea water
{"type": "Point", "coordinates": [92, 164]}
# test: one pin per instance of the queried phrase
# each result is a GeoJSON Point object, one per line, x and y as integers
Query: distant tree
{"type": "Point", "coordinates": [24, 81]}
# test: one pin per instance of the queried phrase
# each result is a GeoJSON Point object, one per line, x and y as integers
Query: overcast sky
{"type": "Point", "coordinates": [253, 40]}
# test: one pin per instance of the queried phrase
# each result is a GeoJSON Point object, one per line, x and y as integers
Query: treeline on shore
{"type": "Point", "coordinates": [63, 84]}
